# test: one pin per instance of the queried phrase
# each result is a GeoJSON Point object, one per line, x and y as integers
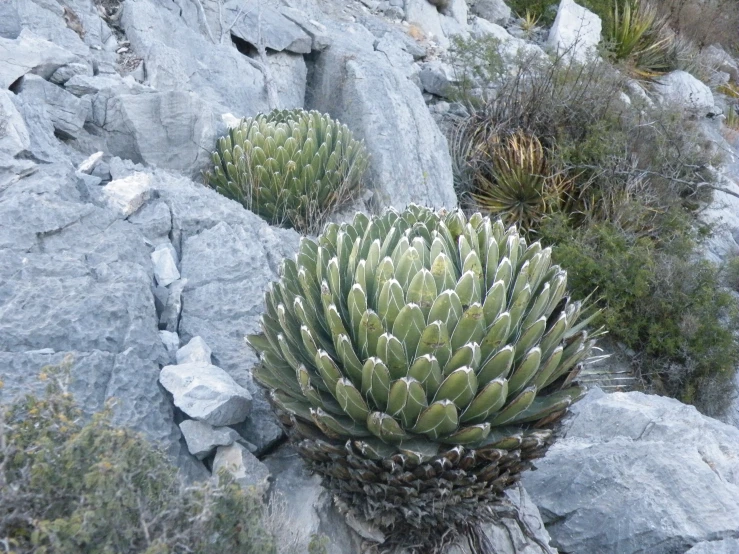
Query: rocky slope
{"type": "Point", "coordinates": [114, 256]}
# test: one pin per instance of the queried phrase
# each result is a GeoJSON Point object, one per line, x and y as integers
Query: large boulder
{"type": "Point", "coordinates": [75, 282]}
{"type": "Point", "coordinates": [30, 54]}
{"type": "Point", "coordinates": [179, 56]}
{"type": "Point", "coordinates": [680, 88]}
{"type": "Point", "coordinates": [575, 32]}
{"type": "Point", "coordinates": [638, 473]}
{"type": "Point", "coordinates": [410, 159]}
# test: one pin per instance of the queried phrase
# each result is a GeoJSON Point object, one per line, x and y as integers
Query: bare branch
{"type": "Point", "coordinates": [201, 12]}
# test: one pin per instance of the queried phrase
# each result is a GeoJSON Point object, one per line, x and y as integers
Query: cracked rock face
{"type": "Point", "coordinates": [638, 473]}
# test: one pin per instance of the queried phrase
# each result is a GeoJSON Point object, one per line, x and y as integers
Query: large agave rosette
{"type": "Point", "coordinates": [419, 360]}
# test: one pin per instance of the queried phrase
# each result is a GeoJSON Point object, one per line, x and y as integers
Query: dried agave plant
{"type": "Point", "coordinates": [292, 167]}
{"type": "Point", "coordinates": [514, 180]}
{"type": "Point", "coordinates": [420, 361]}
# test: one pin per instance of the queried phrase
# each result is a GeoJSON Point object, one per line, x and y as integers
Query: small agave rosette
{"type": "Point", "coordinates": [419, 360]}
{"type": "Point", "coordinates": [292, 167]}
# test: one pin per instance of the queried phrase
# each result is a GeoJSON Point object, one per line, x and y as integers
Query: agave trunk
{"type": "Point", "coordinates": [419, 361]}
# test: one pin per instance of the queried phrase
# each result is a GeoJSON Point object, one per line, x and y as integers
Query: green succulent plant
{"type": "Point", "coordinates": [420, 360]}
{"type": "Point", "coordinates": [292, 167]}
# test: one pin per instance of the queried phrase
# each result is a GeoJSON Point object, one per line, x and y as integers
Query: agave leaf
{"type": "Point", "coordinates": [390, 302]}
{"type": "Point", "coordinates": [385, 428]}
{"type": "Point", "coordinates": [471, 327]}
{"type": "Point", "coordinates": [418, 451]}
{"type": "Point", "coordinates": [426, 370]}
{"type": "Point", "coordinates": [495, 301]}
{"type": "Point", "coordinates": [460, 387]}
{"type": "Point", "coordinates": [515, 407]}
{"type": "Point", "coordinates": [439, 419]}
{"type": "Point", "coordinates": [468, 355]}
{"type": "Point", "coordinates": [356, 304]}
{"type": "Point", "coordinates": [496, 335]}
{"type": "Point", "coordinates": [376, 383]}
{"type": "Point", "coordinates": [530, 336]}
{"type": "Point", "coordinates": [504, 272]}
{"type": "Point", "coordinates": [408, 327]}
{"type": "Point", "coordinates": [447, 308]}
{"type": "Point", "coordinates": [435, 341]}
{"type": "Point", "coordinates": [499, 365]}
{"type": "Point", "coordinates": [351, 401]}
{"type": "Point", "coordinates": [391, 351]}
{"type": "Point", "coordinates": [336, 426]}
{"type": "Point", "coordinates": [370, 329]}
{"type": "Point", "coordinates": [349, 359]}
{"type": "Point", "coordinates": [422, 291]}
{"type": "Point", "coordinates": [468, 289]}
{"type": "Point", "coordinates": [406, 400]}
{"type": "Point", "coordinates": [468, 435]}
{"type": "Point", "coordinates": [525, 371]}
{"type": "Point", "coordinates": [409, 264]}
{"type": "Point", "coordinates": [374, 449]}
{"type": "Point", "coordinates": [489, 400]}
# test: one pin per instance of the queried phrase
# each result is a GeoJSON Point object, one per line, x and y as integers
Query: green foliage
{"type": "Point", "coordinates": [660, 300]}
{"type": "Point", "coordinates": [639, 37]}
{"type": "Point", "coordinates": [318, 544]}
{"type": "Point", "coordinates": [69, 486]}
{"type": "Point", "coordinates": [291, 167]}
{"type": "Point", "coordinates": [411, 339]}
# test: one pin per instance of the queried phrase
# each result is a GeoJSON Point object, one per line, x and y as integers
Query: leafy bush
{"type": "Point", "coordinates": [417, 342]}
{"type": "Point", "coordinates": [661, 301]}
{"type": "Point", "coordinates": [74, 487]}
{"type": "Point", "coordinates": [291, 167]}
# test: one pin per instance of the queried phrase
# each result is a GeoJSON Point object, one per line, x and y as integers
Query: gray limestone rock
{"type": "Point", "coordinates": [170, 318]}
{"type": "Point", "coordinates": [277, 32]}
{"type": "Point", "coordinates": [172, 130]}
{"type": "Point", "coordinates": [67, 112]}
{"type": "Point", "coordinates": [180, 58]}
{"type": "Point", "coordinates": [576, 31]}
{"type": "Point", "coordinates": [164, 259]}
{"type": "Point", "coordinates": [638, 473]}
{"type": "Point", "coordinates": [410, 159]}
{"type": "Point", "coordinates": [75, 279]}
{"type": "Point", "coordinates": [66, 72]}
{"type": "Point", "coordinates": [194, 351]}
{"type": "Point", "coordinates": [206, 393]}
{"type": "Point", "coordinates": [289, 72]}
{"type": "Point", "coordinates": [202, 439]}
{"type": "Point", "coordinates": [127, 195]}
{"type": "Point", "coordinates": [30, 54]}
{"type": "Point", "coordinates": [495, 11]}
{"type": "Point", "coordinates": [154, 221]}
{"type": "Point", "coordinates": [243, 466]}
{"type": "Point", "coordinates": [14, 137]}
{"type": "Point", "coordinates": [171, 342]}
{"type": "Point", "coordinates": [437, 77]}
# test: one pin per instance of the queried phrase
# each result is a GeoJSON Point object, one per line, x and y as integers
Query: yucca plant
{"type": "Point", "coordinates": [515, 181]}
{"type": "Point", "coordinates": [638, 36]}
{"type": "Point", "coordinates": [292, 167]}
{"type": "Point", "coordinates": [420, 361]}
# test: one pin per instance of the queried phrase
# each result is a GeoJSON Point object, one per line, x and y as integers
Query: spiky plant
{"type": "Point", "coordinates": [419, 361]}
{"type": "Point", "coordinates": [515, 181]}
{"type": "Point", "coordinates": [638, 36]}
{"type": "Point", "coordinates": [292, 167]}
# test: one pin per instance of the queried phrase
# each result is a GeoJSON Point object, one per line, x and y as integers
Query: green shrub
{"type": "Point", "coordinates": [660, 300]}
{"type": "Point", "coordinates": [73, 487]}
{"type": "Point", "coordinates": [291, 167]}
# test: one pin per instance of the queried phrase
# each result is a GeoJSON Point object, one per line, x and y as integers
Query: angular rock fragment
{"type": "Point", "coordinates": [206, 393]}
